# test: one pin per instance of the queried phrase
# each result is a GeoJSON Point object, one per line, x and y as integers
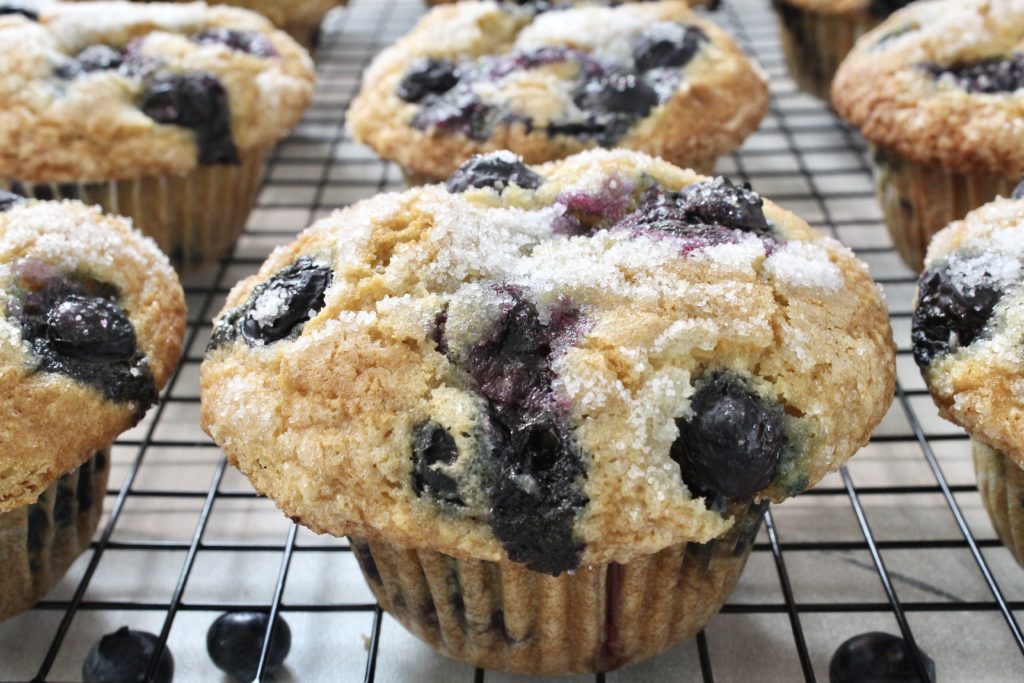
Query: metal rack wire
{"type": "Point", "coordinates": [897, 542]}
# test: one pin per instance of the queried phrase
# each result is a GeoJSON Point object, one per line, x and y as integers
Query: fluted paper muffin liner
{"type": "Point", "coordinates": [39, 542]}
{"type": "Point", "coordinates": [500, 615]}
{"type": "Point", "coordinates": [815, 43]}
{"type": "Point", "coordinates": [195, 218]}
{"type": "Point", "coordinates": [1001, 485]}
{"type": "Point", "coordinates": [918, 200]}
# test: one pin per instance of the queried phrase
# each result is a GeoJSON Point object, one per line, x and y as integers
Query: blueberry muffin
{"type": "Point", "coordinates": [301, 19]}
{"type": "Point", "coordinates": [967, 330]}
{"type": "Point", "coordinates": [159, 112]}
{"type": "Point", "coordinates": [91, 324]}
{"type": "Point", "coordinates": [936, 91]}
{"type": "Point", "coordinates": [482, 76]}
{"type": "Point", "coordinates": [817, 34]}
{"type": "Point", "coordinates": [710, 4]}
{"type": "Point", "coordinates": [535, 397]}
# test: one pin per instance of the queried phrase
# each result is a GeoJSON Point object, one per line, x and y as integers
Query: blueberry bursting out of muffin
{"type": "Point", "coordinates": [195, 100]}
{"type": "Point", "coordinates": [75, 326]}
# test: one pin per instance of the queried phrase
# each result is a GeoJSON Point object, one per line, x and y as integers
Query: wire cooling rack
{"type": "Point", "coordinates": [897, 542]}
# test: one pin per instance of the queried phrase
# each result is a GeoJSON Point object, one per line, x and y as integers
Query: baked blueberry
{"type": "Point", "coordinates": [124, 656]}
{"type": "Point", "coordinates": [618, 93]}
{"type": "Point", "coordinates": [877, 658]}
{"type": "Point", "coordinates": [536, 465]}
{"type": "Point", "coordinates": [198, 101]}
{"type": "Point", "coordinates": [955, 301]}
{"type": "Point", "coordinates": [249, 42]}
{"type": "Point", "coordinates": [996, 75]}
{"type": "Point", "coordinates": [427, 77]}
{"type": "Point", "coordinates": [284, 303]}
{"type": "Point", "coordinates": [459, 110]}
{"type": "Point", "coordinates": [76, 328]}
{"type": "Point", "coordinates": [9, 199]}
{"type": "Point", "coordinates": [433, 446]}
{"type": "Point", "coordinates": [235, 642]}
{"type": "Point", "coordinates": [693, 210]}
{"type": "Point", "coordinates": [17, 9]}
{"type": "Point", "coordinates": [731, 442]}
{"type": "Point", "coordinates": [91, 329]}
{"type": "Point", "coordinates": [666, 44]}
{"type": "Point", "coordinates": [92, 58]}
{"type": "Point", "coordinates": [497, 170]}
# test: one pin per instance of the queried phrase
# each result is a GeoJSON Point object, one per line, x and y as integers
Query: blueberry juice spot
{"type": "Point", "coordinates": [586, 212]}
{"type": "Point", "coordinates": [986, 76]}
{"type": "Point", "coordinates": [278, 308]}
{"type": "Point", "coordinates": [497, 170]}
{"type": "Point", "coordinates": [249, 42]}
{"type": "Point", "coordinates": [537, 465]}
{"type": "Point", "coordinates": [433, 448]}
{"type": "Point", "coordinates": [197, 101]}
{"type": "Point", "coordinates": [730, 445]}
{"type": "Point", "coordinates": [666, 45]}
{"type": "Point", "coordinates": [427, 77]}
{"type": "Point", "coordinates": [76, 328]}
{"type": "Point", "coordinates": [955, 302]}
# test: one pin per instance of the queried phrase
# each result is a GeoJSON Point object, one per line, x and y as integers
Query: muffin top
{"type": "Point", "coordinates": [939, 82]}
{"type": "Point", "coordinates": [91, 325]}
{"type": "Point", "coordinates": [111, 90]}
{"type": "Point", "coordinates": [571, 363]}
{"type": "Point", "coordinates": [876, 8]}
{"type": "Point", "coordinates": [280, 12]}
{"type": "Point", "coordinates": [968, 324]}
{"type": "Point", "coordinates": [482, 76]}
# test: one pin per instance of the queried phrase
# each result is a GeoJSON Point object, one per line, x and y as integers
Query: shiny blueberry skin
{"type": "Point", "coordinates": [877, 658]}
{"type": "Point", "coordinates": [77, 329]}
{"type": "Point", "coordinates": [987, 76]}
{"type": "Point", "coordinates": [278, 308]}
{"type": "Point", "coordinates": [123, 657]}
{"type": "Point", "coordinates": [197, 101]}
{"type": "Point", "coordinates": [948, 309]}
{"type": "Point", "coordinates": [249, 42]}
{"type": "Point", "coordinates": [433, 445]}
{"type": "Point", "coordinates": [427, 77]}
{"type": "Point", "coordinates": [671, 47]}
{"type": "Point", "coordinates": [619, 93]}
{"type": "Point", "coordinates": [235, 642]}
{"type": "Point", "coordinates": [9, 200]}
{"type": "Point", "coordinates": [731, 443]}
{"type": "Point", "coordinates": [493, 170]}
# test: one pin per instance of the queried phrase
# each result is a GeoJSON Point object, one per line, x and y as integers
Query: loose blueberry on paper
{"type": "Point", "coordinates": [124, 656]}
{"type": "Point", "coordinates": [235, 642]}
{"type": "Point", "coordinates": [877, 658]}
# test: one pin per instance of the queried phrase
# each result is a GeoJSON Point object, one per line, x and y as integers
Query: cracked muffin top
{"type": "Point", "coordinates": [91, 324]}
{"type": "Point", "coordinates": [112, 90]}
{"type": "Point", "coordinates": [968, 324]}
{"type": "Point", "coordinates": [578, 362]}
{"type": "Point", "coordinates": [940, 82]}
{"type": "Point", "coordinates": [546, 83]}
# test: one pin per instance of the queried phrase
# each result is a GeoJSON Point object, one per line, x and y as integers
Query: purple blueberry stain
{"type": "Point", "coordinates": [587, 211]}
{"type": "Point", "coordinates": [76, 327]}
{"type": "Point", "coordinates": [198, 101]}
{"type": "Point", "coordinates": [250, 42]}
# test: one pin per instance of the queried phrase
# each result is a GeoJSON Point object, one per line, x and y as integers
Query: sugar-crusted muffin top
{"type": "Point", "coordinates": [91, 324]}
{"type": "Point", "coordinates": [281, 12]}
{"type": "Point", "coordinates": [940, 82]}
{"type": "Point", "coordinates": [571, 363]}
{"type": "Point", "coordinates": [968, 324]}
{"type": "Point", "coordinates": [483, 76]}
{"type": "Point", "coordinates": [111, 90]}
